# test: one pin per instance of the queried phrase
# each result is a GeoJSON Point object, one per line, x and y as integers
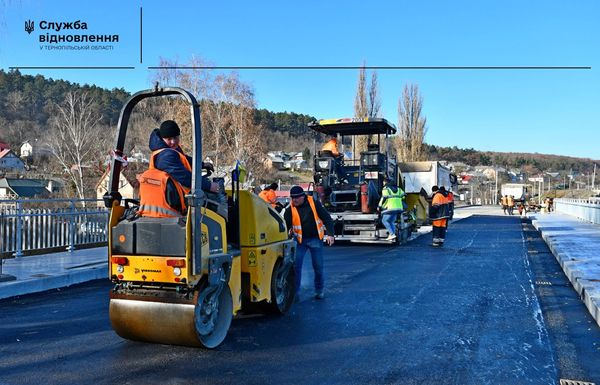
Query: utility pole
{"type": "Point", "coordinates": [472, 194]}
{"type": "Point", "coordinates": [594, 177]}
{"type": "Point", "coordinates": [496, 188]}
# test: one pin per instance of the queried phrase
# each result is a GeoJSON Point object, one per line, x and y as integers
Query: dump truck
{"type": "Point", "coordinates": [520, 191]}
{"type": "Point", "coordinates": [419, 178]}
{"type": "Point", "coordinates": [180, 280]}
{"type": "Point", "coordinates": [352, 200]}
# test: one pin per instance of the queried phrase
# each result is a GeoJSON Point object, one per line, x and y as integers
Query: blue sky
{"type": "Point", "coordinates": [544, 111]}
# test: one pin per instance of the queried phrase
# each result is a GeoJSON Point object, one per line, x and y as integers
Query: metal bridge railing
{"type": "Point", "coordinates": [30, 225]}
{"type": "Point", "coordinates": [586, 209]}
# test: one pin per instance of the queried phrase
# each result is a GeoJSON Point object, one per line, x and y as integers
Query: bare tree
{"type": "Point", "coordinates": [217, 115]}
{"type": "Point", "coordinates": [413, 126]}
{"type": "Point", "coordinates": [374, 103]}
{"type": "Point", "coordinates": [227, 111]}
{"type": "Point", "coordinates": [366, 105]}
{"type": "Point", "coordinates": [77, 141]}
{"type": "Point", "coordinates": [360, 99]}
{"type": "Point", "coordinates": [241, 137]}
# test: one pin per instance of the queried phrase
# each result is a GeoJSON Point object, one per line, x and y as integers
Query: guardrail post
{"type": "Point", "coordinates": [72, 229]}
{"type": "Point", "coordinates": [19, 219]}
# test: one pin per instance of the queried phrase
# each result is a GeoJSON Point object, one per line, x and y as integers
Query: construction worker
{"type": "Point", "coordinates": [308, 221]}
{"type": "Point", "coordinates": [450, 202]}
{"type": "Point", "coordinates": [269, 195]}
{"type": "Point", "coordinates": [504, 202]}
{"type": "Point", "coordinates": [331, 148]}
{"type": "Point", "coordinates": [438, 213]}
{"type": "Point", "coordinates": [521, 208]}
{"type": "Point", "coordinates": [510, 203]}
{"type": "Point", "coordinates": [169, 178]}
{"type": "Point", "coordinates": [390, 206]}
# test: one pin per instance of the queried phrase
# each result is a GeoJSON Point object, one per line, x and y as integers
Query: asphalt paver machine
{"type": "Point", "coordinates": [180, 280]}
{"type": "Point", "coordinates": [352, 198]}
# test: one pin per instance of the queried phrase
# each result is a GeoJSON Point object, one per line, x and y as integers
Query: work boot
{"type": "Point", "coordinates": [391, 237]}
{"type": "Point", "coordinates": [319, 295]}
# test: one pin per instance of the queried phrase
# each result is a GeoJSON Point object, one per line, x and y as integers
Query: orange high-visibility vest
{"type": "Point", "coordinates": [269, 196]}
{"type": "Point", "coordinates": [510, 201]}
{"type": "Point", "coordinates": [297, 225]}
{"type": "Point", "coordinates": [439, 199]}
{"type": "Point", "coordinates": [153, 190]}
{"type": "Point", "coordinates": [332, 147]}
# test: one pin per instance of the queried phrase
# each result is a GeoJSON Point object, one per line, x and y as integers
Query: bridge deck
{"type": "Point", "coordinates": [574, 243]}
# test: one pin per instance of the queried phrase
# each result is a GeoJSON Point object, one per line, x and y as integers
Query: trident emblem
{"type": "Point", "coordinates": [29, 26]}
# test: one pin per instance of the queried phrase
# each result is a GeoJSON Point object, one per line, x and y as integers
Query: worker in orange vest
{"type": "Point", "coordinates": [504, 202]}
{"type": "Point", "coordinates": [510, 203]}
{"type": "Point", "coordinates": [438, 213]}
{"type": "Point", "coordinates": [308, 222]}
{"type": "Point", "coordinates": [450, 199]}
{"type": "Point", "coordinates": [269, 195]}
{"type": "Point", "coordinates": [331, 147]}
{"type": "Point", "coordinates": [169, 178]}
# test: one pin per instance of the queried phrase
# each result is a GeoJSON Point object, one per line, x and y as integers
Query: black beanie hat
{"type": "Point", "coordinates": [273, 186]}
{"type": "Point", "coordinates": [296, 191]}
{"type": "Point", "coordinates": [169, 129]}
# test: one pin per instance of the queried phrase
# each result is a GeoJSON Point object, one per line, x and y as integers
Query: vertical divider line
{"type": "Point", "coordinates": [141, 32]}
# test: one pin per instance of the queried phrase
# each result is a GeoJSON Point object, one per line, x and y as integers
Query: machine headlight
{"type": "Point", "coordinates": [177, 271]}
{"type": "Point", "coordinates": [323, 164]}
{"type": "Point", "coordinates": [120, 269]}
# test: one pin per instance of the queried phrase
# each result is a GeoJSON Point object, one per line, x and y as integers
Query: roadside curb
{"type": "Point", "coordinates": [581, 269]}
{"type": "Point", "coordinates": [41, 284]}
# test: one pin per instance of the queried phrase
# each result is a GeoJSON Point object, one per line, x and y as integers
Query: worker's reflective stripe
{"type": "Point", "coordinates": [298, 231]}
{"type": "Point", "coordinates": [158, 210]}
{"type": "Point", "coordinates": [394, 196]}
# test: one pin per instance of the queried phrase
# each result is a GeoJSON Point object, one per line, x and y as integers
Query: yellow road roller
{"type": "Point", "coordinates": [180, 280]}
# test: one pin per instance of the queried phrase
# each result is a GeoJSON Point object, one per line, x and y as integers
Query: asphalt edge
{"type": "Point", "coordinates": [589, 294]}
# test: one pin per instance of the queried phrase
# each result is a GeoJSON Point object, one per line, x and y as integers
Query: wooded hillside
{"type": "Point", "coordinates": [27, 102]}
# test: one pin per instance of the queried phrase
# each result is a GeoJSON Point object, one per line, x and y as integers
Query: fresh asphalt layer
{"type": "Point", "coordinates": [490, 307]}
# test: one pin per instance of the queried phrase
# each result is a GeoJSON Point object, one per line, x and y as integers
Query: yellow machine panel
{"type": "Point", "coordinates": [235, 283]}
{"type": "Point", "coordinates": [213, 224]}
{"type": "Point", "coordinates": [259, 223]}
{"type": "Point", "coordinates": [259, 263]}
{"type": "Point", "coordinates": [150, 269]}
{"type": "Point", "coordinates": [417, 201]}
